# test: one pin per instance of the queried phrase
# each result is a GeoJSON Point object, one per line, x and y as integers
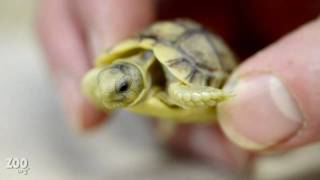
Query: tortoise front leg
{"type": "Point", "coordinates": [165, 98]}
{"type": "Point", "coordinates": [191, 96]}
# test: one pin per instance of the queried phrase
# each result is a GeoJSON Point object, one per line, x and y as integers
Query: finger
{"type": "Point", "coordinates": [207, 142]}
{"type": "Point", "coordinates": [64, 44]}
{"type": "Point", "coordinates": [109, 21]}
{"type": "Point", "coordinates": [277, 94]}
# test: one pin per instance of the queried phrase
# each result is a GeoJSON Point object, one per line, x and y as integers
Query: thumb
{"type": "Point", "coordinates": [277, 102]}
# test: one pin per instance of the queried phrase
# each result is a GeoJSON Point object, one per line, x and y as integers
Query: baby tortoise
{"type": "Point", "coordinates": [173, 70]}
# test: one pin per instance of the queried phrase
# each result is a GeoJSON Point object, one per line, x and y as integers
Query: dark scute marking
{"type": "Point", "coordinates": [194, 63]}
{"type": "Point", "coordinates": [202, 66]}
{"type": "Point", "coordinates": [191, 75]}
{"type": "Point", "coordinates": [205, 33]}
{"type": "Point", "coordinates": [189, 33]}
{"type": "Point", "coordinates": [178, 61]}
{"type": "Point", "coordinates": [208, 80]}
{"type": "Point", "coordinates": [229, 71]}
{"type": "Point", "coordinates": [214, 48]}
{"type": "Point", "coordinates": [150, 36]}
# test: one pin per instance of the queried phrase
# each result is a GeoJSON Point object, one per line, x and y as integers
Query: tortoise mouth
{"type": "Point", "coordinates": [119, 102]}
{"type": "Point", "coordinates": [113, 104]}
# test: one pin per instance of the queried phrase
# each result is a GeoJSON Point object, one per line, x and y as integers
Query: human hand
{"type": "Point", "coordinates": [73, 31]}
{"type": "Point", "coordinates": [277, 103]}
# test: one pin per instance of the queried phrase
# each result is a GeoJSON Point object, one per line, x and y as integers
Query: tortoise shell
{"type": "Point", "coordinates": [188, 51]}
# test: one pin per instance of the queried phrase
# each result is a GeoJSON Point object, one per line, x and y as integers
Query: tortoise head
{"type": "Point", "coordinates": [119, 85]}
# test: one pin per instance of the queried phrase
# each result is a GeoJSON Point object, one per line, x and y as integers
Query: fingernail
{"type": "Point", "coordinates": [262, 114]}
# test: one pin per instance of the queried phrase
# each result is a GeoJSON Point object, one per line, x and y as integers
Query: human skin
{"type": "Point", "coordinates": [277, 89]}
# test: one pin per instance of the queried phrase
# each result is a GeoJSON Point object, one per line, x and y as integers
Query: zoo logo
{"type": "Point", "coordinates": [21, 164]}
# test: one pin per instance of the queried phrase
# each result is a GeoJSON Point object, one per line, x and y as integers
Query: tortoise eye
{"type": "Point", "coordinates": [124, 86]}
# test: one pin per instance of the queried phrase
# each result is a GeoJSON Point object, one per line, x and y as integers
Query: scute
{"type": "Point", "coordinates": [184, 48]}
{"type": "Point", "coordinates": [198, 48]}
{"type": "Point", "coordinates": [227, 58]}
{"type": "Point", "coordinates": [124, 49]}
{"type": "Point", "coordinates": [195, 57]}
{"type": "Point", "coordinates": [164, 31]}
{"type": "Point", "coordinates": [181, 67]}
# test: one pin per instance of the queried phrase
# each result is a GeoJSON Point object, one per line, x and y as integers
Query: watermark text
{"type": "Point", "coordinates": [22, 165]}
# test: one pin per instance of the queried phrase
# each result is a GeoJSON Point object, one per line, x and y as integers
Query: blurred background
{"type": "Point", "coordinates": [32, 126]}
